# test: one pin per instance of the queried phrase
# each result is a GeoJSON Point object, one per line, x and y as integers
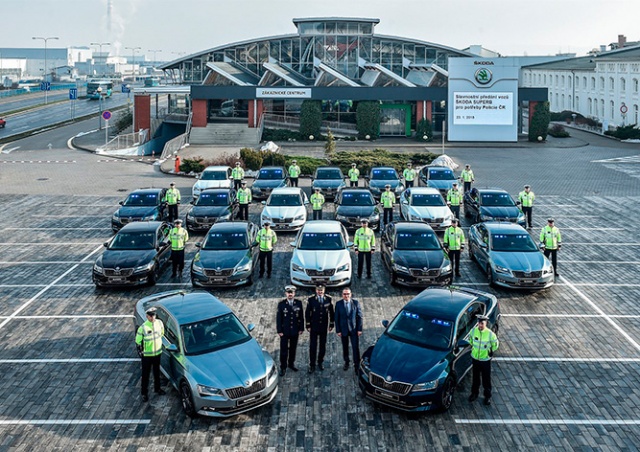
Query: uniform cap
{"type": "Point", "coordinates": [320, 287]}
{"type": "Point", "coordinates": [387, 186]}
{"type": "Point", "coordinates": [364, 220]}
{"type": "Point", "coordinates": [177, 221]}
{"type": "Point", "coordinates": [237, 163]}
{"type": "Point", "coordinates": [409, 164]}
{"type": "Point", "coordinates": [454, 220]}
{"type": "Point", "coordinates": [151, 311]}
{"type": "Point", "coordinates": [455, 183]}
{"type": "Point", "coordinates": [482, 318]}
{"type": "Point", "coordinates": [294, 161]}
{"type": "Point", "coordinates": [317, 188]}
{"type": "Point", "coordinates": [244, 182]}
{"type": "Point", "coordinates": [266, 223]}
{"type": "Point", "coordinates": [172, 184]}
{"type": "Point", "coordinates": [353, 164]}
{"type": "Point", "coordinates": [290, 289]}
{"type": "Point", "coordinates": [550, 220]}
{"type": "Point", "coordinates": [467, 166]}
{"type": "Point", "coordinates": [527, 186]}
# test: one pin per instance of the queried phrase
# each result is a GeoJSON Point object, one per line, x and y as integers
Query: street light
{"type": "Point", "coordinates": [133, 58]}
{"type": "Point", "coordinates": [100, 44]}
{"type": "Point", "coordinates": [45, 60]}
{"type": "Point", "coordinates": [154, 55]}
{"type": "Point", "coordinates": [99, 90]}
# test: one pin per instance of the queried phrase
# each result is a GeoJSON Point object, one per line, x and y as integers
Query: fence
{"type": "Point", "coordinates": [127, 141]}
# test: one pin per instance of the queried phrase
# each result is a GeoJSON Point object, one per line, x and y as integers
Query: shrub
{"type": "Point", "coordinates": [310, 118]}
{"type": "Point", "coordinates": [558, 131]}
{"type": "Point", "coordinates": [367, 159]}
{"type": "Point", "coordinates": [282, 135]}
{"type": "Point", "coordinates": [273, 159]}
{"type": "Point", "coordinates": [539, 122]}
{"type": "Point", "coordinates": [625, 132]}
{"type": "Point", "coordinates": [330, 145]}
{"type": "Point", "coordinates": [368, 119]}
{"type": "Point", "coordinates": [194, 164]}
{"type": "Point", "coordinates": [423, 127]}
{"type": "Point", "coordinates": [252, 159]}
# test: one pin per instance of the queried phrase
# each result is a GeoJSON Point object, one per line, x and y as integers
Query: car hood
{"type": "Point", "coordinates": [240, 365]}
{"type": "Point", "coordinates": [406, 362]}
{"type": "Point", "coordinates": [202, 184]}
{"type": "Point", "coordinates": [209, 211]}
{"type": "Point", "coordinates": [127, 258]}
{"type": "Point", "coordinates": [381, 183]}
{"type": "Point", "coordinates": [136, 211]}
{"type": "Point", "coordinates": [328, 183]}
{"type": "Point", "coordinates": [283, 211]}
{"type": "Point", "coordinates": [268, 183]}
{"type": "Point", "coordinates": [355, 211]}
{"type": "Point", "coordinates": [441, 184]}
{"type": "Point", "coordinates": [222, 258]}
{"type": "Point", "coordinates": [430, 211]}
{"type": "Point", "coordinates": [419, 259]}
{"type": "Point", "coordinates": [500, 212]}
{"type": "Point", "coordinates": [519, 261]}
{"type": "Point", "coordinates": [320, 260]}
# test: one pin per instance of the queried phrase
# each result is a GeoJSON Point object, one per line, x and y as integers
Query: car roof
{"type": "Point", "coordinates": [383, 168]}
{"type": "Point", "coordinates": [272, 167]}
{"type": "Point", "coordinates": [287, 190]}
{"type": "Point", "coordinates": [217, 190]}
{"type": "Point", "coordinates": [142, 226]}
{"type": "Point", "coordinates": [423, 190]}
{"type": "Point", "coordinates": [230, 226]}
{"type": "Point", "coordinates": [355, 190]}
{"type": "Point", "coordinates": [492, 190]}
{"type": "Point", "coordinates": [140, 191]}
{"type": "Point", "coordinates": [189, 307]}
{"type": "Point", "coordinates": [403, 226]}
{"type": "Point", "coordinates": [438, 167]}
{"type": "Point", "coordinates": [440, 302]}
{"type": "Point", "coordinates": [322, 226]}
{"type": "Point", "coordinates": [217, 168]}
{"type": "Point", "coordinates": [504, 226]}
{"type": "Point", "coordinates": [328, 167]}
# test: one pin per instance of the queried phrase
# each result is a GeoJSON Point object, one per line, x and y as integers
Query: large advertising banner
{"type": "Point", "coordinates": [483, 108]}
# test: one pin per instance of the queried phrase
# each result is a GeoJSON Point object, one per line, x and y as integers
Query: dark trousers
{"type": "Point", "coordinates": [321, 337]}
{"type": "Point", "coordinates": [317, 214]}
{"type": "Point", "coordinates": [149, 362]}
{"type": "Point", "coordinates": [177, 261]}
{"type": "Point", "coordinates": [294, 181]}
{"type": "Point", "coordinates": [481, 371]}
{"type": "Point", "coordinates": [173, 212]}
{"type": "Point", "coordinates": [528, 215]}
{"type": "Point", "coordinates": [243, 212]}
{"type": "Point", "coordinates": [353, 183]}
{"type": "Point", "coordinates": [408, 183]}
{"type": "Point", "coordinates": [265, 256]}
{"type": "Point", "coordinates": [467, 186]}
{"type": "Point", "coordinates": [362, 255]}
{"type": "Point", "coordinates": [288, 347]}
{"type": "Point", "coordinates": [455, 210]}
{"type": "Point", "coordinates": [454, 257]}
{"type": "Point", "coordinates": [237, 183]}
{"type": "Point", "coordinates": [388, 215]}
{"type": "Point", "coordinates": [554, 258]}
{"type": "Point", "coordinates": [355, 346]}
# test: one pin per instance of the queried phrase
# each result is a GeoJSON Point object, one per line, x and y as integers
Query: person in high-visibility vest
{"type": "Point", "coordinates": [453, 241]}
{"type": "Point", "coordinates": [179, 237]}
{"type": "Point", "coordinates": [388, 200]}
{"type": "Point", "coordinates": [149, 342]}
{"type": "Point", "coordinates": [243, 196]}
{"type": "Point", "coordinates": [364, 242]}
{"type": "Point", "coordinates": [466, 176]}
{"type": "Point", "coordinates": [237, 174]}
{"type": "Point", "coordinates": [454, 200]}
{"type": "Point", "coordinates": [317, 201]}
{"type": "Point", "coordinates": [526, 199]}
{"type": "Point", "coordinates": [266, 239]}
{"type": "Point", "coordinates": [484, 343]}
{"type": "Point", "coordinates": [294, 173]}
{"type": "Point", "coordinates": [551, 241]}
{"type": "Point", "coordinates": [354, 175]}
{"type": "Point", "coordinates": [409, 175]}
{"type": "Point", "coordinates": [172, 198]}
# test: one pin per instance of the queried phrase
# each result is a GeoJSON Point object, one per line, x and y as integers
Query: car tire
{"type": "Point", "coordinates": [250, 279]}
{"type": "Point", "coordinates": [472, 256]}
{"type": "Point", "coordinates": [154, 276]}
{"type": "Point", "coordinates": [490, 277]}
{"type": "Point", "coordinates": [446, 395]}
{"type": "Point", "coordinates": [393, 279]}
{"type": "Point", "coordinates": [187, 400]}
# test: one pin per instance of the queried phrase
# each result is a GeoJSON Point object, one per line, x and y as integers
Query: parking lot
{"type": "Point", "coordinates": [566, 375]}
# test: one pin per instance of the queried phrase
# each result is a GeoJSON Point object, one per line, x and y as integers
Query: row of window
{"type": "Point", "coordinates": [595, 108]}
{"type": "Point", "coordinates": [565, 81]}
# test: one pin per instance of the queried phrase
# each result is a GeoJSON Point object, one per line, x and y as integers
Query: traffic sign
{"type": "Point", "coordinates": [106, 115]}
{"type": "Point", "coordinates": [45, 86]}
{"type": "Point", "coordinates": [623, 109]}
{"type": "Point", "coordinates": [125, 88]}
{"type": "Point", "coordinates": [73, 93]}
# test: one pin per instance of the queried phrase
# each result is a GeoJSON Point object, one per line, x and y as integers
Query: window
{"type": "Point", "coordinates": [593, 83]}
{"type": "Point", "coordinates": [612, 111]}
{"type": "Point", "coordinates": [602, 107]}
{"type": "Point", "coordinates": [563, 82]}
{"type": "Point", "coordinates": [584, 82]}
{"type": "Point", "coordinates": [601, 83]}
{"type": "Point", "coordinates": [635, 86]}
{"type": "Point", "coordinates": [623, 85]}
{"type": "Point", "coordinates": [635, 114]}
{"type": "Point", "coordinates": [589, 106]}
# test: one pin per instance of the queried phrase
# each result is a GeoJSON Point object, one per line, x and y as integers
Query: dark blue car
{"type": "Point", "coordinates": [424, 353]}
{"type": "Point", "coordinates": [145, 204]}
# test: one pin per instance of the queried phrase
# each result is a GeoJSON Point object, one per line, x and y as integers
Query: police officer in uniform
{"type": "Point", "coordinates": [409, 175]}
{"type": "Point", "coordinates": [453, 241]}
{"type": "Point", "coordinates": [266, 239]}
{"type": "Point", "coordinates": [237, 174]}
{"type": "Point", "coordinates": [320, 319]}
{"type": "Point", "coordinates": [484, 343]}
{"type": "Point", "coordinates": [243, 196]}
{"type": "Point", "coordinates": [317, 201]}
{"type": "Point", "coordinates": [388, 200]}
{"type": "Point", "coordinates": [149, 343]}
{"type": "Point", "coordinates": [294, 173]}
{"type": "Point", "coordinates": [526, 199]}
{"type": "Point", "coordinates": [467, 177]}
{"type": "Point", "coordinates": [354, 176]}
{"type": "Point", "coordinates": [179, 237]}
{"type": "Point", "coordinates": [289, 325]}
{"type": "Point", "coordinates": [551, 241]}
{"type": "Point", "coordinates": [365, 243]}
{"type": "Point", "coordinates": [454, 199]}
{"type": "Point", "coordinates": [172, 198]}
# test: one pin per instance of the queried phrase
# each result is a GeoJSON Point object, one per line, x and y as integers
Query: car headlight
{"type": "Point", "coordinates": [148, 218]}
{"type": "Point", "coordinates": [520, 217]}
{"type": "Point", "coordinates": [343, 268]}
{"type": "Point", "coordinates": [115, 217]}
{"type": "Point", "coordinates": [414, 218]}
{"type": "Point", "coordinates": [225, 217]}
{"type": "Point", "coordinates": [446, 268]}
{"type": "Point", "coordinates": [398, 189]}
{"type": "Point", "coordinates": [365, 365]}
{"type": "Point", "coordinates": [299, 218]}
{"type": "Point", "coordinates": [243, 268]}
{"type": "Point", "coordinates": [400, 268]}
{"type": "Point", "coordinates": [98, 268]}
{"type": "Point", "coordinates": [144, 268]}
{"type": "Point", "coordinates": [196, 190]}
{"type": "Point", "coordinates": [297, 268]}
{"type": "Point", "coordinates": [375, 217]}
{"type": "Point", "coordinates": [500, 269]}
{"type": "Point", "coordinates": [264, 219]}
{"type": "Point", "coordinates": [426, 386]}
{"type": "Point", "coordinates": [272, 372]}
{"type": "Point", "coordinates": [196, 266]}
{"type": "Point", "coordinates": [341, 218]}
{"type": "Point", "coordinates": [208, 391]}
{"type": "Point", "coordinates": [374, 189]}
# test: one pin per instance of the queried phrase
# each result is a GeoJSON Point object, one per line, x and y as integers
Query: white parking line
{"type": "Point", "coordinates": [42, 262]}
{"type": "Point", "coordinates": [549, 359]}
{"type": "Point", "coordinates": [85, 205]}
{"type": "Point", "coordinates": [69, 361]}
{"type": "Point", "coordinates": [59, 229]}
{"type": "Point", "coordinates": [598, 244]}
{"type": "Point", "coordinates": [75, 422]}
{"type": "Point", "coordinates": [549, 421]}
{"type": "Point", "coordinates": [592, 229]}
{"type": "Point", "coordinates": [572, 316]}
{"type": "Point", "coordinates": [50, 244]}
{"type": "Point", "coordinates": [77, 316]}
{"type": "Point", "coordinates": [601, 262]}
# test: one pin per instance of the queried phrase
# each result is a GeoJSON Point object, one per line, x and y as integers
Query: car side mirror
{"type": "Point", "coordinates": [251, 327]}
{"type": "Point", "coordinates": [192, 202]}
{"type": "Point", "coordinates": [483, 245]}
{"type": "Point", "coordinates": [199, 245]}
{"type": "Point", "coordinates": [367, 178]}
{"type": "Point", "coordinates": [385, 323]}
{"type": "Point", "coordinates": [173, 348]}
{"type": "Point", "coordinates": [462, 344]}
{"type": "Point", "coordinates": [264, 203]}
{"type": "Point", "coordinates": [518, 203]}
{"type": "Point", "coordinates": [105, 244]}
{"type": "Point", "coordinates": [121, 203]}
{"type": "Point", "coordinates": [349, 244]}
{"type": "Point", "coordinates": [293, 244]}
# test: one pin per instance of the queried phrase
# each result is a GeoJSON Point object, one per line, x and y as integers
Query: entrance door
{"type": "Point", "coordinates": [395, 120]}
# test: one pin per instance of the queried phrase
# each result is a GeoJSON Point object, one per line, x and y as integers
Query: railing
{"type": "Point", "coordinates": [126, 141]}
{"type": "Point", "coordinates": [187, 129]}
{"type": "Point", "coordinates": [36, 89]}
{"type": "Point", "coordinates": [173, 146]}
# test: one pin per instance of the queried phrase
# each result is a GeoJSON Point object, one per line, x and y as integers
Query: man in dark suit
{"type": "Point", "coordinates": [349, 327]}
{"type": "Point", "coordinates": [319, 316]}
{"type": "Point", "coordinates": [289, 325]}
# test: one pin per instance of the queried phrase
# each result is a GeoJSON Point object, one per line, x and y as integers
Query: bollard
{"type": "Point", "coordinates": [177, 168]}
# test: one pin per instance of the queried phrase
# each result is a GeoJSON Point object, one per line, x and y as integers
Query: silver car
{"type": "Point", "coordinates": [425, 204]}
{"type": "Point", "coordinates": [209, 356]}
{"type": "Point", "coordinates": [286, 209]}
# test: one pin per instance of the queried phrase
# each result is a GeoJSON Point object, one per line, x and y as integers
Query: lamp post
{"type": "Point", "coordinates": [99, 107]}
{"type": "Point", "coordinates": [45, 60]}
{"type": "Point", "coordinates": [100, 44]}
{"type": "Point", "coordinates": [154, 55]}
{"type": "Point", "coordinates": [133, 58]}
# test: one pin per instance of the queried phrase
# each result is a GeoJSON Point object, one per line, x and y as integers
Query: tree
{"type": "Point", "coordinates": [330, 145]}
{"type": "Point", "coordinates": [539, 122]}
{"type": "Point", "coordinates": [310, 118]}
{"type": "Point", "coordinates": [368, 119]}
{"type": "Point", "coordinates": [423, 128]}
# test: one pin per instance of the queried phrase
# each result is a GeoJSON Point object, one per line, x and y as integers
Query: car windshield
{"type": "Point", "coordinates": [133, 241]}
{"type": "Point", "coordinates": [386, 174]}
{"type": "Point", "coordinates": [271, 174]}
{"type": "Point", "coordinates": [321, 241]}
{"type": "Point", "coordinates": [417, 241]}
{"type": "Point", "coordinates": [512, 242]}
{"type": "Point", "coordinates": [496, 199]}
{"type": "Point", "coordinates": [422, 330]}
{"type": "Point", "coordinates": [210, 335]}
{"type": "Point", "coordinates": [329, 174]}
{"type": "Point", "coordinates": [280, 200]}
{"type": "Point", "coordinates": [420, 200]}
{"type": "Point", "coordinates": [213, 199]}
{"type": "Point", "coordinates": [357, 199]}
{"type": "Point", "coordinates": [135, 199]}
{"type": "Point", "coordinates": [214, 175]}
{"type": "Point", "coordinates": [441, 174]}
{"type": "Point", "coordinates": [226, 241]}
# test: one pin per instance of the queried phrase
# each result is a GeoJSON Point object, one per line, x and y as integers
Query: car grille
{"type": "Point", "coordinates": [422, 272]}
{"type": "Point", "coordinates": [240, 391]}
{"type": "Point", "coordinates": [120, 272]}
{"type": "Point", "coordinates": [436, 221]}
{"type": "Point", "coordinates": [205, 220]}
{"type": "Point", "coordinates": [282, 220]}
{"type": "Point", "coordinates": [396, 387]}
{"type": "Point", "coordinates": [536, 274]}
{"type": "Point", "coordinates": [329, 272]}
{"type": "Point", "coordinates": [222, 272]}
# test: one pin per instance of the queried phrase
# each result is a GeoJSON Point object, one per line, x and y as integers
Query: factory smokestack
{"type": "Point", "coordinates": [109, 8]}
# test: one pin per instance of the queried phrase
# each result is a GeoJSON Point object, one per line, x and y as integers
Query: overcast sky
{"type": "Point", "coordinates": [511, 27]}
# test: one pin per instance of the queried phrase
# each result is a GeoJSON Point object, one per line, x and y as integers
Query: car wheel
{"type": "Point", "coordinates": [250, 279]}
{"type": "Point", "coordinates": [446, 396]}
{"type": "Point", "coordinates": [187, 400]}
{"type": "Point", "coordinates": [490, 277]}
{"type": "Point", "coordinates": [472, 256]}
{"type": "Point", "coordinates": [495, 329]}
{"type": "Point", "coordinates": [154, 275]}
{"type": "Point", "coordinates": [393, 279]}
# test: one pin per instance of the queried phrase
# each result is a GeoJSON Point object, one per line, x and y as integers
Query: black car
{"type": "Point", "coordinates": [145, 204]}
{"type": "Point", "coordinates": [440, 177]}
{"type": "Point", "coordinates": [424, 352]}
{"type": "Point", "coordinates": [352, 205]}
{"type": "Point", "coordinates": [414, 256]}
{"type": "Point", "coordinates": [329, 179]}
{"type": "Point", "coordinates": [227, 256]}
{"type": "Point", "coordinates": [379, 177]}
{"type": "Point", "coordinates": [213, 205]}
{"type": "Point", "coordinates": [135, 255]}
{"type": "Point", "coordinates": [491, 204]}
{"type": "Point", "coordinates": [268, 178]}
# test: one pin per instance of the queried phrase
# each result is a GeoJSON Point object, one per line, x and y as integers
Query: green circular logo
{"type": "Point", "coordinates": [483, 76]}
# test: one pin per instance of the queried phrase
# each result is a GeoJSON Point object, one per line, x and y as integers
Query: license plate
{"type": "Point", "coordinates": [424, 279]}
{"type": "Point", "coordinates": [116, 279]}
{"type": "Point", "coordinates": [526, 282]}
{"type": "Point", "coordinates": [320, 280]}
{"type": "Point", "coordinates": [217, 279]}
{"type": "Point", "coordinates": [250, 399]}
{"type": "Point", "coordinates": [386, 395]}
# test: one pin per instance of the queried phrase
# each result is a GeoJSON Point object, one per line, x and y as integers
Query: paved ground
{"type": "Point", "coordinates": [566, 376]}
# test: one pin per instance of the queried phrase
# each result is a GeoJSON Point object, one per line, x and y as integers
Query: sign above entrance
{"type": "Point", "coordinates": [283, 93]}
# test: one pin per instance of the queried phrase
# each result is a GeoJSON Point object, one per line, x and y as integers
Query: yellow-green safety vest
{"type": "Point", "coordinates": [294, 171]}
{"type": "Point", "coordinates": [551, 237]}
{"type": "Point", "coordinates": [467, 176]}
{"type": "Point", "coordinates": [354, 174]}
{"type": "Point", "coordinates": [454, 197]}
{"type": "Point", "coordinates": [149, 335]}
{"type": "Point", "coordinates": [526, 198]}
{"type": "Point", "coordinates": [237, 173]}
{"type": "Point", "coordinates": [482, 342]}
{"type": "Point", "coordinates": [172, 196]}
{"type": "Point", "coordinates": [409, 174]}
{"type": "Point", "coordinates": [178, 237]}
{"type": "Point", "coordinates": [364, 240]}
{"type": "Point", "coordinates": [317, 200]}
{"type": "Point", "coordinates": [454, 238]}
{"type": "Point", "coordinates": [244, 196]}
{"type": "Point", "coordinates": [266, 239]}
{"type": "Point", "coordinates": [388, 199]}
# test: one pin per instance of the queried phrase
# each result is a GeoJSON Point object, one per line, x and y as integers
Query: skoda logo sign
{"type": "Point", "coordinates": [483, 76]}
{"type": "Point", "coordinates": [247, 383]}
{"type": "Point", "coordinates": [388, 377]}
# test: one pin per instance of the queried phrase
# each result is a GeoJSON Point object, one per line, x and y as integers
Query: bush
{"type": "Point", "coordinates": [629, 132]}
{"type": "Point", "coordinates": [558, 131]}
{"type": "Point", "coordinates": [368, 119]}
{"type": "Point", "coordinates": [273, 159]}
{"type": "Point", "coordinates": [195, 164]}
{"type": "Point", "coordinates": [423, 127]}
{"type": "Point", "coordinates": [539, 122]}
{"type": "Point", "coordinates": [282, 135]}
{"type": "Point", "coordinates": [330, 145]}
{"type": "Point", "coordinates": [367, 159]}
{"type": "Point", "coordinates": [252, 159]}
{"type": "Point", "coordinates": [124, 120]}
{"type": "Point", "coordinates": [310, 118]}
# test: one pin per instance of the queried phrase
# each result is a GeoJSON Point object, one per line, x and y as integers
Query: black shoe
{"type": "Point", "coordinates": [269, 276]}
{"type": "Point", "coordinates": [557, 274]}
{"type": "Point", "coordinates": [293, 368]}
{"type": "Point", "coordinates": [320, 366]}
{"type": "Point", "coordinates": [312, 369]}
{"type": "Point", "coordinates": [283, 371]}
{"type": "Point", "coordinates": [260, 275]}
{"type": "Point", "coordinates": [160, 392]}
{"type": "Point", "coordinates": [473, 397]}
{"type": "Point", "coordinates": [487, 401]}
{"type": "Point", "coordinates": [458, 275]}
{"type": "Point", "coordinates": [173, 275]}
{"type": "Point", "coordinates": [359, 276]}
{"type": "Point", "coordinates": [346, 366]}
{"type": "Point", "coordinates": [145, 398]}
{"type": "Point", "coordinates": [368, 276]}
